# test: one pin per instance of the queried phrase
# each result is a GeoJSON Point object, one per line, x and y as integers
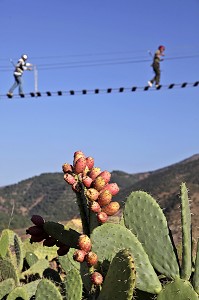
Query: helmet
{"type": "Point", "coordinates": [24, 57]}
{"type": "Point", "coordinates": [161, 48]}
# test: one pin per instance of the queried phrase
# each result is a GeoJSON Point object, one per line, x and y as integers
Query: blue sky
{"type": "Point", "coordinates": [98, 44]}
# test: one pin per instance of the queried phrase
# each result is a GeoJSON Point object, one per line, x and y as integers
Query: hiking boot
{"type": "Point", "coordinates": [150, 83]}
{"type": "Point", "coordinates": [9, 95]}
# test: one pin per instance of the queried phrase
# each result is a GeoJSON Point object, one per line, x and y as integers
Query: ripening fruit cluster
{"type": "Point", "coordinates": [38, 234]}
{"type": "Point", "coordinates": [96, 183]}
{"type": "Point", "coordinates": [84, 253]}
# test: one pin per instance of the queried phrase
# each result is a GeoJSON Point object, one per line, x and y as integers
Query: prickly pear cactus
{"type": "Point", "coordinates": [179, 289]}
{"type": "Point", "coordinates": [47, 290]}
{"type": "Point", "coordinates": [196, 273]}
{"type": "Point", "coordinates": [120, 279]}
{"type": "Point", "coordinates": [186, 267]}
{"type": "Point", "coordinates": [8, 270]}
{"type": "Point", "coordinates": [37, 268]}
{"type": "Point", "coordinates": [100, 263]}
{"type": "Point", "coordinates": [4, 243]}
{"type": "Point", "coordinates": [109, 238]}
{"type": "Point", "coordinates": [144, 217]}
{"type": "Point", "coordinates": [6, 286]}
{"type": "Point", "coordinates": [73, 284]}
{"type": "Point", "coordinates": [18, 293]}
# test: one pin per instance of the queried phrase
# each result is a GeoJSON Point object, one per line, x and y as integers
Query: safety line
{"type": "Point", "coordinates": [102, 91]}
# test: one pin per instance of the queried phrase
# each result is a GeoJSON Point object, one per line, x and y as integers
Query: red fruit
{"type": "Point", "coordinates": [104, 198]}
{"type": "Point", "coordinates": [99, 183]}
{"type": "Point", "coordinates": [91, 258]}
{"type": "Point", "coordinates": [95, 207]}
{"type": "Point", "coordinates": [77, 155]}
{"type": "Point", "coordinates": [79, 255]}
{"type": "Point", "coordinates": [35, 230]}
{"type": "Point", "coordinates": [111, 209]}
{"type": "Point", "coordinates": [84, 243]}
{"type": "Point", "coordinates": [80, 165]}
{"type": "Point", "coordinates": [102, 217]}
{"type": "Point", "coordinates": [97, 278]}
{"type": "Point", "coordinates": [49, 242]}
{"type": "Point", "coordinates": [94, 172]}
{"type": "Point", "coordinates": [70, 179]}
{"type": "Point", "coordinates": [113, 188]}
{"type": "Point", "coordinates": [63, 250]}
{"type": "Point", "coordinates": [67, 168]}
{"type": "Point", "coordinates": [37, 220]}
{"type": "Point", "coordinates": [89, 162]}
{"type": "Point", "coordinates": [87, 181]}
{"type": "Point", "coordinates": [92, 194]}
{"type": "Point", "coordinates": [106, 176]}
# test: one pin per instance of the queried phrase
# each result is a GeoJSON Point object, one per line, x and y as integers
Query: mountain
{"type": "Point", "coordinates": [50, 196]}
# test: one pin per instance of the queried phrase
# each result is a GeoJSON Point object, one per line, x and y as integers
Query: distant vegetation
{"type": "Point", "coordinates": [50, 196]}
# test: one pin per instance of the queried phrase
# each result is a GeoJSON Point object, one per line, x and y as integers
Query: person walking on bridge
{"type": "Point", "coordinates": [156, 66]}
{"type": "Point", "coordinates": [21, 66]}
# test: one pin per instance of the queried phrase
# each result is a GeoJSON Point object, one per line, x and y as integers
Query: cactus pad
{"type": "Point", "coordinates": [144, 217]}
{"type": "Point", "coordinates": [196, 273]}
{"type": "Point", "coordinates": [47, 290]}
{"type": "Point", "coordinates": [73, 283]}
{"type": "Point", "coordinates": [179, 289]}
{"type": "Point", "coordinates": [120, 280]}
{"type": "Point", "coordinates": [6, 286]}
{"type": "Point", "coordinates": [67, 262]}
{"type": "Point", "coordinates": [8, 270]}
{"type": "Point", "coordinates": [186, 267]}
{"type": "Point", "coordinates": [37, 268]}
{"type": "Point", "coordinates": [109, 238]}
{"type": "Point", "coordinates": [4, 243]}
{"type": "Point", "coordinates": [18, 293]}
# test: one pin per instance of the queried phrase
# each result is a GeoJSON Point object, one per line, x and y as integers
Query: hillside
{"type": "Point", "coordinates": [50, 196]}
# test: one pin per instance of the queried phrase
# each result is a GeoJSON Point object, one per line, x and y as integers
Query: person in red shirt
{"type": "Point", "coordinates": [156, 66]}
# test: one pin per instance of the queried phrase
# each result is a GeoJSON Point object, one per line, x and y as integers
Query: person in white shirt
{"type": "Point", "coordinates": [21, 66]}
{"type": "Point", "coordinates": [156, 66]}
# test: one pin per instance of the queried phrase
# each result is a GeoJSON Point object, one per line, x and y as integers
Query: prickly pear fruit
{"type": "Point", "coordinates": [70, 179]}
{"type": "Point", "coordinates": [97, 278]}
{"type": "Point", "coordinates": [90, 162]}
{"type": "Point", "coordinates": [95, 207]}
{"type": "Point", "coordinates": [94, 172]}
{"type": "Point", "coordinates": [106, 176]}
{"type": "Point", "coordinates": [91, 258]}
{"type": "Point", "coordinates": [112, 187]}
{"type": "Point", "coordinates": [79, 255]}
{"type": "Point", "coordinates": [99, 183]}
{"type": "Point", "coordinates": [104, 198]}
{"type": "Point", "coordinates": [80, 165]}
{"type": "Point", "coordinates": [111, 209]}
{"type": "Point", "coordinates": [84, 243]}
{"type": "Point", "coordinates": [87, 181]}
{"type": "Point", "coordinates": [37, 220]}
{"type": "Point", "coordinates": [67, 168]}
{"type": "Point", "coordinates": [77, 155]}
{"type": "Point", "coordinates": [92, 194]}
{"type": "Point", "coordinates": [102, 217]}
